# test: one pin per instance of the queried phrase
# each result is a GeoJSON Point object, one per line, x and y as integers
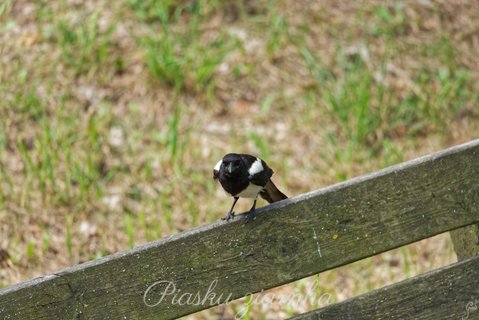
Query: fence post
{"type": "Point", "coordinates": [466, 241]}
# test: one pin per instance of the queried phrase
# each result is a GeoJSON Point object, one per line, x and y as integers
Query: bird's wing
{"type": "Point", "coordinates": [259, 172]}
{"type": "Point", "coordinates": [216, 170]}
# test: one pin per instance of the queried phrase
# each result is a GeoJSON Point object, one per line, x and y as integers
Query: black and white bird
{"type": "Point", "coordinates": [245, 176]}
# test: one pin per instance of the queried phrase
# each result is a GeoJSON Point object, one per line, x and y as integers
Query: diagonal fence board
{"type": "Point", "coordinates": [288, 240]}
{"type": "Point", "coordinates": [451, 292]}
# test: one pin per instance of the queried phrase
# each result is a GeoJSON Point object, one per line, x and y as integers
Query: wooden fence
{"type": "Point", "coordinates": [289, 240]}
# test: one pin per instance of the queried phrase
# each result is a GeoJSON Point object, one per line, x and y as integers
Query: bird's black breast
{"type": "Point", "coordinates": [234, 185]}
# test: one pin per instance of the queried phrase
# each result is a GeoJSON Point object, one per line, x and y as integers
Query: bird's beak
{"type": "Point", "coordinates": [229, 168]}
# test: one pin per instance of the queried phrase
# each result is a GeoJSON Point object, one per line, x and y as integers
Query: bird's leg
{"type": "Point", "coordinates": [231, 214]}
{"type": "Point", "coordinates": [252, 212]}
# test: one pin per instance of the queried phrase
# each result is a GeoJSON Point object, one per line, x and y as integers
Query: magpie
{"type": "Point", "coordinates": [246, 176]}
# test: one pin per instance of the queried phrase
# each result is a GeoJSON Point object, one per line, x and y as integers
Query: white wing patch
{"type": "Point", "coordinates": [218, 165]}
{"type": "Point", "coordinates": [256, 167]}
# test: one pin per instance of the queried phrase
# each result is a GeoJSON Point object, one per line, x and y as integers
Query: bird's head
{"type": "Point", "coordinates": [230, 166]}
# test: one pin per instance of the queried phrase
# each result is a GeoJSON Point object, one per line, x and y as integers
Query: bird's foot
{"type": "Point", "coordinates": [250, 215]}
{"type": "Point", "coordinates": [229, 216]}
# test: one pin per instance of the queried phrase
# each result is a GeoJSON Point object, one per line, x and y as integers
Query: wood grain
{"type": "Point", "coordinates": [288, 240]}
{"type": "Point", "coordinates": [451, 292]}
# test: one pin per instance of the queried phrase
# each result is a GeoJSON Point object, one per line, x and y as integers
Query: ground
{"type": "Point", "coordinates": [113, 115]}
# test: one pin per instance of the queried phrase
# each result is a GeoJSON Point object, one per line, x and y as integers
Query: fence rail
{"type": "Point", "coordinates": [289, 240]}
{"type": "Point", "coordinates": [450, 292]}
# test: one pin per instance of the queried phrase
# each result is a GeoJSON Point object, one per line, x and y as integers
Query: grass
{"type": "Point", "coordinates": [84, 47]}
{"type": "Point", "coordinates": [178, 57]}
{"type": "Point", "coordinates": [112, 117]}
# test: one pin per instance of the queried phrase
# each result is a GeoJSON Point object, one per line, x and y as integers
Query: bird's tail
{"type": "Point", "coordinates": [271, 193]}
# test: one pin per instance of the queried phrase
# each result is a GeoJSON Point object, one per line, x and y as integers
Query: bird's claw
{"type": "Point", "coordinates": [229, 216]}
{"type": "Point", "coordinates": [250, 216]}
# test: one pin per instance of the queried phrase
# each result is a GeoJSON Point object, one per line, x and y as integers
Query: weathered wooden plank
{"type": "Point", "coordinates": [288, 240]}
{"type": "Point", "coordinates": [466, 241]}
{"type": "Point", "coordinates": [450, 292]}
